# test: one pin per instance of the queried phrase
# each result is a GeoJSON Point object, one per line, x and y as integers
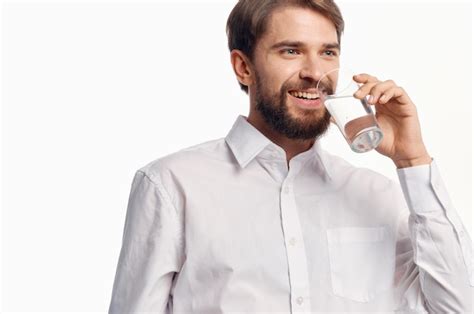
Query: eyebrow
{"type": "Point", "coordinates": [332, 46]}
{"type": "Point", "coordinates": [289, 43]}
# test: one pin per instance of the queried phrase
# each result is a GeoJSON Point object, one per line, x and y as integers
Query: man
{"type": "Point", "coordinates": [264, 220]}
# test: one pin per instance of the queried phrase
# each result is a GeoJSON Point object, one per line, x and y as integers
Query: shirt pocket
{"type": "Point", "coordinates": [361, 261]}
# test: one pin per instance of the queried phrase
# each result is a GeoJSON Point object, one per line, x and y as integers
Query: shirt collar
{"type": "Point", "coordinates": [246, 142]}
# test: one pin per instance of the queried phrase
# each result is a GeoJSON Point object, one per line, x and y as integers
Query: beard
{"type": "Point", "coordinates": [311, 124]}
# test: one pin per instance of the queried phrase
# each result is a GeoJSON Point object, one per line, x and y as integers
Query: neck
{"type": "Point", "coordinates": [291, 147]}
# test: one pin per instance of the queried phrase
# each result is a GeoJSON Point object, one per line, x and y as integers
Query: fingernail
{"type": "Point", "coordinates": [371, 99]}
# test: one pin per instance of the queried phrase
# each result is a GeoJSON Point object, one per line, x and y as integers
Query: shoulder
{"type": "Point", "coordinates": [184, 159]}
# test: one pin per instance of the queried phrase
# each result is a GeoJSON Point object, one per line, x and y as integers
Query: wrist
{"type": "Point", "coordinates": [405, 163]}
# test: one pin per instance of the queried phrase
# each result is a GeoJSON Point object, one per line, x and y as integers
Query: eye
{"type": "Point", "coordinates": [330, 53]}
{"type": "Point", "coordinates": [290, 51]}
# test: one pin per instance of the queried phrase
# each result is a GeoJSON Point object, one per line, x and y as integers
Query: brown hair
{"type": "Point", "coordinates": [248, 20]}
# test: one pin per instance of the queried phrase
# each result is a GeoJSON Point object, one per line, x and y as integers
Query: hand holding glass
{"type": "Point", "coordinates": [354, 118]}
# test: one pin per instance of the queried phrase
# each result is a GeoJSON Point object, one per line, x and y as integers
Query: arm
{"type": "Point", "coordinates": [434, 251]}
{"type": "Point", "coordinates": [152, 250]}
{"type": "Point", "coordinates": [434, 255]}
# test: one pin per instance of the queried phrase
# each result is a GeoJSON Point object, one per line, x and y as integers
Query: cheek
{"type": "Point", "coordinates": [280, 71]}
{"type": "Point", "coordinates": [289, 71]}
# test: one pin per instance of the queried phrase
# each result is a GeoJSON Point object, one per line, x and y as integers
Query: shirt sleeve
{"type": "Point", "coordinates": [151, 253]}
{"type": "Point", "coordinates": [434, 250]}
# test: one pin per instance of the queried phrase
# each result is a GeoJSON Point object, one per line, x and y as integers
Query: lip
{"type": "Point", "coordinates": [308, 104]}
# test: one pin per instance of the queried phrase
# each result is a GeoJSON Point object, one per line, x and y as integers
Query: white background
{"type": "Point", "coordinates": [92, 91]}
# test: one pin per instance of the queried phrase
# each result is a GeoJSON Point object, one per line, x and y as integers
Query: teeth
{"type": "Point", "coordinates": [304, 95]}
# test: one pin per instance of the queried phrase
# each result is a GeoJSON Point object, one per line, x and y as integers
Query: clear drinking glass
{"type": "Point", "coordinates": [354, 117]}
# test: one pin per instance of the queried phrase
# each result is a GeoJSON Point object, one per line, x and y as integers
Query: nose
{"type": "Point", "coordinates": [312, 69]}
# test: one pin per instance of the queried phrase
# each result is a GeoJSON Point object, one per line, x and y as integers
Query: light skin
{"type": "Point", "coordinates": [299, 46]}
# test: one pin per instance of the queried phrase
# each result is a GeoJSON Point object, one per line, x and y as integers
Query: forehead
{"type": "Point", "coordinates": [299, 24]}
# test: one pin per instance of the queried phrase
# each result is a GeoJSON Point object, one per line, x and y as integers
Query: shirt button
{"type": "Point", "coordinates": [292, 241]}
{"type": "Point", "coordinates": [299, 300]}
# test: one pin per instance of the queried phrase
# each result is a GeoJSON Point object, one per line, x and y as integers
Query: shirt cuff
{"type": "Point", "coordinates": [422, 186]}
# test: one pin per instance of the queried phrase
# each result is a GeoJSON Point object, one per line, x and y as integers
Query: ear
{"type": "Point", "coordinates": [242, 67]}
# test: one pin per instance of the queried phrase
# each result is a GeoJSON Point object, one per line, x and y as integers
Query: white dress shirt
{"type": "Point", "coordinates": [227, 227]}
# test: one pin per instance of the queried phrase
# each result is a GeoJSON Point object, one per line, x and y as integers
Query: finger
{"type": "Point", "coordinates": [400, 94]}
{"type": "Point", "coordinates": [395, 92]}
{"type": "Point", "coordinates": [364, 90]}
{"type": "Point", "coordinates": [364, 78]}
{"type": "Point", "coordinates": [387, 95]}
{"type": "Point", "coordinates": [380, 89]}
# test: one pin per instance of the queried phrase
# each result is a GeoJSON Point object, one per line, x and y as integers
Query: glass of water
{"type": "Point", "coordinates": [354, 117]}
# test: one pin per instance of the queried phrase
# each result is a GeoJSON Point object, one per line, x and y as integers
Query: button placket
{"type": "Point", "coordinates": [297, 260]}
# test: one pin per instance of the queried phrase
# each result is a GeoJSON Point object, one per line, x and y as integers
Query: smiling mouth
{"type": "Point", "coordinates": [305, 95]}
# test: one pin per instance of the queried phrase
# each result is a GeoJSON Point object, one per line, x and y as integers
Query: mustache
{"type": "Point", "coordinates": [324, 87]}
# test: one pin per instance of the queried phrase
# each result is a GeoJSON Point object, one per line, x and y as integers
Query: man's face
{"type": "Point", "coordinates": [299, 46]}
